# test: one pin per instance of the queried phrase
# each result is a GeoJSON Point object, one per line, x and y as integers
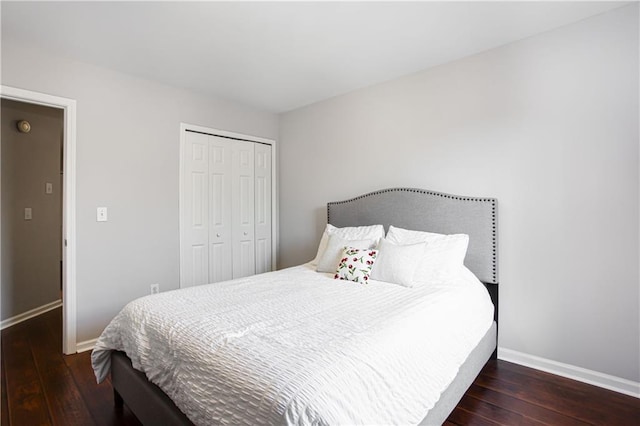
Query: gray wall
{"type": "Point", "coordinates": [549, 126]}
{"type": "Point", "coordinates": [31, 249]}
{"type": "Point", "coordinates": [127, 160]}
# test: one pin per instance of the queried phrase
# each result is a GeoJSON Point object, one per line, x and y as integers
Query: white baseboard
{"type": "Point", "coordinates": [87, 345]}
{"type": "Point", "coordinates": [580, 374]}
{"type": "Point", "coordinates": [30, 314]}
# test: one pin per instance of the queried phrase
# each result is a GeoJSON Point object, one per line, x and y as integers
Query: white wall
{"type": "Point", "coordinates": [549, 126]}
{"type": "Point", "coordinates": [127, 160]}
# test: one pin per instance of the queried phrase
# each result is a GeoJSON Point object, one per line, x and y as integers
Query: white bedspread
{"type": "Point", "coordinates": [298, 347]}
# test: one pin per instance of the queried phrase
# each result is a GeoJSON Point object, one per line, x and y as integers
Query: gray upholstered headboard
{"type": "Point", "coordinates": [430, 211]}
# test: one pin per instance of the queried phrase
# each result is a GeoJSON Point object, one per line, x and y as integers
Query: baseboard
{"type": "Point", "coordinates": [87, 345]}
{"type": "Point", "coordinates": [580, 374]}
{"type": "Point", "coordinates": [30, 314]}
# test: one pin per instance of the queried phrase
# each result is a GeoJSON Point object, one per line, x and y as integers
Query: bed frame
{"type": "Point", "coordinates": [408, 208]}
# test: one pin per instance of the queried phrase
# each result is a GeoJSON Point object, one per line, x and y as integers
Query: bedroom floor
{"type": "Point", "coordinates": [41, 386]}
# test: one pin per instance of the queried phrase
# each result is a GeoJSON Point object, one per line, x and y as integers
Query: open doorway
{"type": "Point", "coordinates": [38, 209]}
{"type": "Point", "coordinates": [32, 177]}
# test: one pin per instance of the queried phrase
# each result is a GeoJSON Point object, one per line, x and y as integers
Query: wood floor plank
{"type": "Point", "coordinates": [527, 409]}
{"type": "Point", "coordinates": [462, 417]}
{"type": "Point", "coordinates": [66, 405]}
{"type": "Point", "coordinates": [624, 403]}
{"type": "Point", "coordinates": [489, 411]}
{"type": "Point", "coordinates": [569, 397]}
{"type": "Point", "coordinates": [526, 421]}
{"type": "Point", "coordinates": [549, 395]}
{"type": "Point", "coordinates": [53, 319]}
{"type": "Point", "coordinates": [27, 404]}
{"type": "Point", "coordinates": [4, 415]}
{"type": "Point", "coordinates": [98, 397]}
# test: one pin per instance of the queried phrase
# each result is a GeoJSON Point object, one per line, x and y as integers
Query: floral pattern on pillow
{"type": "Point", "coordinates": [356, 264]}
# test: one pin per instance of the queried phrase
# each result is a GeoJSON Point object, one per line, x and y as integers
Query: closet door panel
{"type": "Point", "coordinates": [242, 210]}
{"type": "Point", "coordinates": [199, 265]}
{"type": "Point", "coordinates": [263, 207]}
{"type": "Point", "coordinates": [220, 234]}
{"type": "Point", "coordinates": [196, 217]}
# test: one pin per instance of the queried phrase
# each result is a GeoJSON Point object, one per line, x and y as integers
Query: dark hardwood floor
{"type": "Point", "coordinates": [40, 386]}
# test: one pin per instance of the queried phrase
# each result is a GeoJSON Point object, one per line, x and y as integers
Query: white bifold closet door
{"type": "Point", "coordinates": [220, 210]}
{"type": "Point", "coordinates": [242, 209]}
{"type": "Point", "coordinates": [263, 207]}
{"type": "Point", "coordinates": [227, 209]}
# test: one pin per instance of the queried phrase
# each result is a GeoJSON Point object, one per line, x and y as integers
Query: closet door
{"type": "Point", "coordinates": [220, 229]}
{"type": "Point", "coordinates": [195, 264]}
{"type": "Point", "coordinates": [263, 207]}
{"type": "Point", "coordinates": [226, 209]}
{"type": "Point", "coordinates": [242, 210]}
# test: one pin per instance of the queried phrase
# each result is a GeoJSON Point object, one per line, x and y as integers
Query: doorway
{"type": "Point", "coordinates": [38, 212]}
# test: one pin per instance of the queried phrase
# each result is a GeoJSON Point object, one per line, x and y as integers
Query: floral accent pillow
{"type": "Point", "coordinates": [356, 264]}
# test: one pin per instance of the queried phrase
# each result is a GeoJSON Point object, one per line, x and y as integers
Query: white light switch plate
{"type": "Point", "coordinates": [27, 213]}
{"type": "Point", "coordinates": [101, 214]}
{"type": "Point", "coordinates": [48, 188]}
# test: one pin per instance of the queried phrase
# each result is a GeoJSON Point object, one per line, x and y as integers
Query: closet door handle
{"type": "Point", "coordinates": [217, 235]}
{"type": "Point", "coordinates": [245, 232]}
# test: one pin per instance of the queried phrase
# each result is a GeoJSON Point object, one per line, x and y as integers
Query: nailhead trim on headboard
{"type": "Point", "coordinates": [443, 195]}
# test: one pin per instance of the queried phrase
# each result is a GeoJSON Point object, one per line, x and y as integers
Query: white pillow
{"type": "Point", "coordinates": [397, 264]}
{"type": "Point", "coordinates": [373, 232]}
{"type": "Point", "coordinates": [407, 236]}
{"type": "Point", "coordinates": [333, 252]}
{"type": "Point", "coordinates": [444, 253]}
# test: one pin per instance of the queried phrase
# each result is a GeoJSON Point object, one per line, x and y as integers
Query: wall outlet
{"type": "Point", "coordinates": [155, 288]}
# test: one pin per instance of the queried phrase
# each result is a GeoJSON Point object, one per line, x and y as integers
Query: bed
{"type": "Point", "coordinates": [325, 371]}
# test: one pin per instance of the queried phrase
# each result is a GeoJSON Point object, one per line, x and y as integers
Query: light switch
{"type": "Point", "coordinates": [27, 213]}
{"type": "Point", "coordinates": [101, 214]}
{"type": "Point", "coordinates": [48, 188]}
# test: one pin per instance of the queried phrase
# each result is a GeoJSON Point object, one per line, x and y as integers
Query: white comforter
{"type": "Point", "coordinates": [298, 347]}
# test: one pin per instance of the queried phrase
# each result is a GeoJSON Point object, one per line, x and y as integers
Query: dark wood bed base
{"type": "Point", "coordinates": [153, 407]}
{"type": "Point", "coordinates": [146, 400]}
{"type": "Point", "coordinates": [493, 293]}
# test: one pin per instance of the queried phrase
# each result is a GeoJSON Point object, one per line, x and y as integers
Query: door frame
{"type": "Point", "coordinates": [224, 133]}
{"type": "Point", "coordinates": [69, 343]}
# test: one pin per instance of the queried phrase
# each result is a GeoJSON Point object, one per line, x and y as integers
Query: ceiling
{"type": "Point", "coordinates": [279, 56]}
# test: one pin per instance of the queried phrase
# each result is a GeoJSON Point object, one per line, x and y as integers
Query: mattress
{"type": "Point", "coordinates": [298, 347]}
